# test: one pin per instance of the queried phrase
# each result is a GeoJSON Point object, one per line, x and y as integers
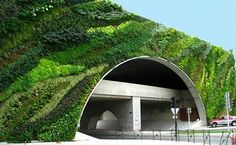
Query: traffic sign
{"type": "Point", "coordinates": [173, 110]}
{"type": "Point", "coordinates": [189, 110]}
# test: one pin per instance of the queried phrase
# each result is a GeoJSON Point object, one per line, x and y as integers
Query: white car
{"type": "Point", "coordinates": [223, 121]}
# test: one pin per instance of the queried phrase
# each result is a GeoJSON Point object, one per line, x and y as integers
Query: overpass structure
{"type": "Point", "coordinates": [135, 95]}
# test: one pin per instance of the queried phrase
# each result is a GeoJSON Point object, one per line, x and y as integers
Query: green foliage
{"type": "Point", "coordinates": [53, 53]}
{"type": "Point", "coordinates": [72, 2]}
{"type": "Point", "coordinates": [19, 67]}
{"type": "Point", "coordinates": [167, 37]}
{"type": "Point", "coordinates": [19, 108]}
{"type": "Point", "coordinates": [103, 39]}
{"type": "Point", "coordinates": [25, 137]}
{"type": "Point", "coordinates": [45, 69]}
{"type": "Point", "coordinates": [41, 128]}
{"type": "Point", "coordinates": [15, 14]}
{"type": "Point", "coordinates": [101, 10]}
{"type": "Point", "coordinates": [70, 118]}
{"type": "Point", "coordinates": [32, 8]}
{"type": "Point", "coordinates": [218, 69]}
{"type": "Point", "coordinates": [65, 35]}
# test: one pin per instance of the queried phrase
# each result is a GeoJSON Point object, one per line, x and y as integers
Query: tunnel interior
{"type": "Point", "coordinates": [97, 116]}
{"type": "Point", "coordinates": [156, 115]}
{"type": "Point", "coordinates": [146, 72]}
{"type": "Point", "coordinates": [110, 107]}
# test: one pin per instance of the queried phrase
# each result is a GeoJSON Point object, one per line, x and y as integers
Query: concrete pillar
{"type": "Point", "coordinates": [136, 109]}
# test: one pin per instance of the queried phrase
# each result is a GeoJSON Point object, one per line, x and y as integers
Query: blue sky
{"type": "Point", "coordinates": [210, 20]}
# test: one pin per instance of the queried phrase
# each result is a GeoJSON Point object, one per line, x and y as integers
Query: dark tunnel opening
{"type": "Point", "coordinates": [146, 72]}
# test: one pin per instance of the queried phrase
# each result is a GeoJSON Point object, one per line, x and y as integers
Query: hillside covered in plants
{"type": "Point", "coordinates": [53, 52]}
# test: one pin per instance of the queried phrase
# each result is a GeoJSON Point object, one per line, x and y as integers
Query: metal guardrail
{"type": "Point", "coordinates": [206, 137]}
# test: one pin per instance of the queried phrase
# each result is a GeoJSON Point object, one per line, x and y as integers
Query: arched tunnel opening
{"type": "Point", "coordinates": [135, 95]}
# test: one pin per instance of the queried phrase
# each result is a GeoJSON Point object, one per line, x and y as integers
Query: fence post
{"type": "Point", "coordinates": [178, 136]}
{"type": "Point", "coordinates": [193, 136]}
{"type": "Point", "coordinates": [153, 135]}
{"type": "Point", "coordinates": [160, 134]}
{"type": "Point", "coordinates": [188, 134]}
{"type": "Point", "coordinates": [134, 135]}
{"type": "Point", "coordinates": [171, 135]}
{"type": "Point", "coordinates": [203, 134]}
{"type": "Point", "coordinates": [209, 137]}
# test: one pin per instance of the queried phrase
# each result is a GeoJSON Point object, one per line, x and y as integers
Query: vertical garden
{"type": "Point", "coordinates": [53, 53]}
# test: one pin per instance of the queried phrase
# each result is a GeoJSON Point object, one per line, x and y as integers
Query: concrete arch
{"type": "Point", "coordinates": [189, 83]}
{"type": "Point", "coordinates": [181, 74]}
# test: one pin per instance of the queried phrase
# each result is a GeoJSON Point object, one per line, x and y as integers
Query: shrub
{"type": "Point", "coordinates": [9, 74]}
{"type": "Point", "coordinates": [43, 127]}
{"type": "Point", "coordinates": [102, 10]}
{"type": "Point", "coordinates": [45, 69]}
{"type": "Point", "coordinates": [65, 35]}
{"type": "Point", "coordinates": [72, 2]}
{"type": "Point", "coordinates": [25, 136]}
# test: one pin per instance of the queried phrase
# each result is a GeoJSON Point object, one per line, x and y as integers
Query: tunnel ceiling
{"type": "Point", "coordinates": [146, 72]}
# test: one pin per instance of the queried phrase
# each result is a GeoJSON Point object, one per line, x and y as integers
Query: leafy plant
{"type": "Point", "coordinates": [65, 35]}
{"type": "Point", "coordinates": [45, 69]}
{"type": "Point", "coordinates": [102, 11]}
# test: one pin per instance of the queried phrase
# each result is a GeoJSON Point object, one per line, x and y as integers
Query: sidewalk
{"type": "Point", "coordinates": [110, 142]}
{"type": "Point", "coordinates": [83, 139]}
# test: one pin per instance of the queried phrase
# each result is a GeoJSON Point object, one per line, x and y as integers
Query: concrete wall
{"type": "Point", "coordinates": [116, 89]}
{"type": "Point", "coordinates": [91, 115]}
{"type": "Point", "coordinates": [136, 107]}
{"type": "Point", "coordinates": [122, 109]}
{"type": "Point", "coordinates": [128, 109]}
{"type": "Point", "coordinates": [107, 121]}
{"type": "Point", "coordinates": [156, 116]}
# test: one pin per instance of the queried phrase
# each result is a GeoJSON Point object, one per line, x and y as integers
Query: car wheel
{"type": "Point", "coordinates": [233, 123]}
{"type": "Point", "coordinates": [214, 124]}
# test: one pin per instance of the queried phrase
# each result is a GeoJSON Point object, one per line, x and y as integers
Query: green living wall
{"type": "Point", "coordinates": [52, 54]}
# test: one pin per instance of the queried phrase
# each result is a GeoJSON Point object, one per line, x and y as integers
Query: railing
{"type": "Point", "coordinates": [206, 137]}
{"type": "Point", "coordinates": [209, 137]}
{"type": "Point", "coordinates": [224, 138]}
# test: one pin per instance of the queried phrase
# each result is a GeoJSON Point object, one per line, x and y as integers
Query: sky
{"type": "Point", "coordinates": [211, 20]}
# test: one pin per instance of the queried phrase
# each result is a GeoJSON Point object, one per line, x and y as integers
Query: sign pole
{"type": "Point", "coordinates": [189, 111]}
{"type": "Point", "coordinates": [174, 110]}
{"type": "Point", "coordinates": [227, 102]}
{"type": "Point", "coordinates": [175, 123]}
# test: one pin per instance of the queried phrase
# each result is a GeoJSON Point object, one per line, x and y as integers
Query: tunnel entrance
{"type": "Point", "coordinates": [135, 95]}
